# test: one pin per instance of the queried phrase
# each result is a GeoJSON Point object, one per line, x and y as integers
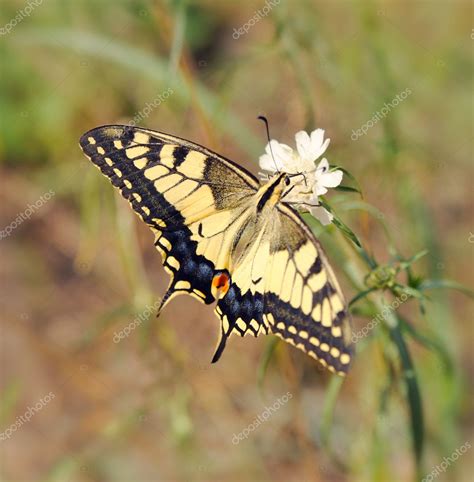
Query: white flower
{"type": "Point", "coordinates": [314, 181]}
{"type": "Point", "coordinates": [311, 148]}
{"type": "Point", "coordinates": [278, 157]}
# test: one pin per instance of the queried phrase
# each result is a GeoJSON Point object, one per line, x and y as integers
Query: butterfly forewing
{"type": "Point", "coordinates": [174, 186]}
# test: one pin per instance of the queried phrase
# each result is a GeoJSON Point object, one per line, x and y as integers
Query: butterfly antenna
{"type": "Point", "coordinates": [264, 119]}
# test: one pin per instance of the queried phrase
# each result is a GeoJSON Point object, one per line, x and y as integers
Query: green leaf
{"type": "Point", "coordinates": [415, 293]}
{"type": "Point", "coordinates": [347, 189]}
{"type": "Point", "coordinates": [361, 295]}
{"type": "Point", "coordinates": [413, 394]}
{"type": "Point", "coordinates": [347, 232]}
{"type": "Point", "coordinates": [337, 222]}
{"type": "Point", "coordinates": [407, 263]}
{"type": "Point", "coordinates": [352, 178]}
{"type": "Point", "coordinates": [370, 260]}
{"type": "Point", "coordinates": [431, 284]}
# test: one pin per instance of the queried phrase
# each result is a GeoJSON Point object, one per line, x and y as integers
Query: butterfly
{"type": "Point", "coordinates": [225, 237]}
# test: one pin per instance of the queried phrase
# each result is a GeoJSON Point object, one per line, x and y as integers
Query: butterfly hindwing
{"type": "Point", "coordinates": [303, 302]}
{"type": "Point", "coordinates": [283, 284]}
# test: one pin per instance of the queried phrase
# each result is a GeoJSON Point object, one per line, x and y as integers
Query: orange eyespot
{"type": "Point", "coordinates": [220, 285]}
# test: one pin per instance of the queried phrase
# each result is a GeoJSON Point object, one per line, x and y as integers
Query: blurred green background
{"type": "Point", "coordinates": [78, 267]}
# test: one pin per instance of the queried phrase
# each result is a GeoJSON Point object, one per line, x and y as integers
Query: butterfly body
{"type": "Point", "coordinates": [226, 238]}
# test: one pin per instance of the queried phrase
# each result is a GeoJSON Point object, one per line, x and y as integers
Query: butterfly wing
{"type": "Point", "coordinates": [285, 285]}
{"type": "Point", "coordinates": [303, 301]}
{"type": "Point", "coordinates": [187, 194]}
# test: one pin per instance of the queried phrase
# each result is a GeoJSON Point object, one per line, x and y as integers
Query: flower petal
{"type": "Point", "coordinates": [319, 189]}
{"type": "Point", "coordinates": [277, 156]}
{"type": "Point", "coordinates": [323, 166]}
{"type": "Point", "coordinates": [317, 136]}
{"type": "Point", "coordinates": [322, 215]}
{"type": "Point", "coordinates": [326, 178]}
{"type": "Point", "coordinates": [318, 144]}
{"type": "Point", "coordinates": [267, 163]}
{"type": "Point", "coordinates": [303, 145]}
{"type": "Point", "coordinates": [283, 154]}
{"type": "Point", "coordinates": [332, 179]}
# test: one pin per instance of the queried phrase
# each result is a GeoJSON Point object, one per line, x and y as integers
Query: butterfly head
{"type": "Point", "coordinates": [279, 187]}
{"type": "Point", "coordinates": [297, 180]}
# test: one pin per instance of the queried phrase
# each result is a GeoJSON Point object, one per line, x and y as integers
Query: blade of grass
{"type": "Point", "coordinates": [360, 295]}
{"type": "Point", "coordinates": [329, 405]}
{"type": "Point", "coordinates": [147, 64]}
{"type": "Point", "coordinates": [178, 37]}
{"type": "Point", "coordinates": [413, 394]}
{"type": "Point", "coordinates": [432, 284]}
{"type": "Point", "coordinates": [428, 343]}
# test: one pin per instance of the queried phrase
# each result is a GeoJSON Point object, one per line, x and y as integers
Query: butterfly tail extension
{"type": "Point", "coordinates": [220, 346]}
{"type": "Point", "coordinates": [167, 297]}
{"type": "Point", "coordinates": [224, 332]}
